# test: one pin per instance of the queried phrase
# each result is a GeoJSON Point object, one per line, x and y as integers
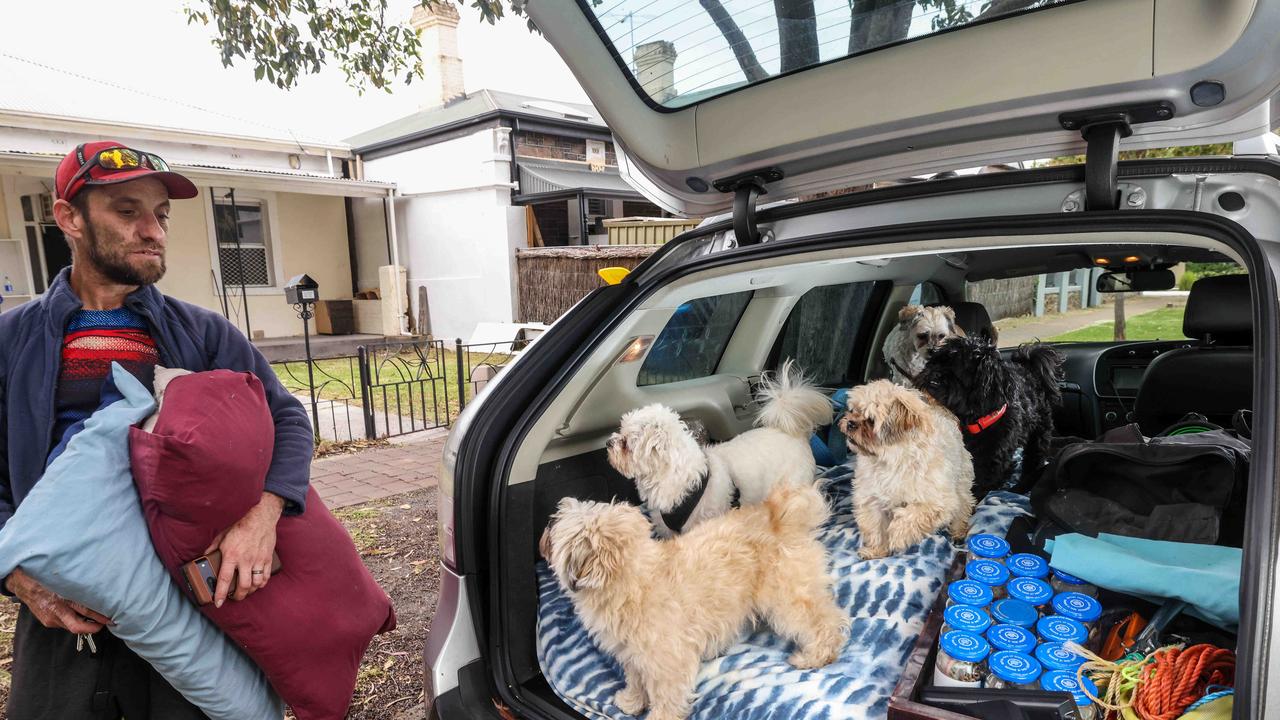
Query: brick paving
{"type": "Point", "coordinates": [408, 465]}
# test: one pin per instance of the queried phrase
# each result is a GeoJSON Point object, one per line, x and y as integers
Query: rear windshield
{"type": "Point", "coordinates": [693, 340]}
{"type": "Point", "coordinates": [679, 52]}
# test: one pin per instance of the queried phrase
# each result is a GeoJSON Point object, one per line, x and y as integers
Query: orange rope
{"type": "Point", "coordinates": [1178, 677]}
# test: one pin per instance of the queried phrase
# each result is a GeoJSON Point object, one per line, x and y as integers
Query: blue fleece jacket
{"type": "Point", "coordinates": [186, 336]}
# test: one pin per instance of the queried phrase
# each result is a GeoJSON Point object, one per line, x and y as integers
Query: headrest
{"type": "Point", "coordinates": [972, 317]}
{"type": "Point", "coordinates": [1220, 307]}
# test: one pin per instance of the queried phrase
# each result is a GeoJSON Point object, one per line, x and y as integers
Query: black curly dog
{"type": "Point", "coordinates": [1002, 405]}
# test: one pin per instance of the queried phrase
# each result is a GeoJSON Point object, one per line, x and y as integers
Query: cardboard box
{"type": "Point", "coordinates": [335, 317]}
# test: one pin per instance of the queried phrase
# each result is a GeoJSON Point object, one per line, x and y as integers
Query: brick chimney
{"type": "Point", "coordinates": [655, 69]}
{"type": "Point", "coordinates": [437, 28]}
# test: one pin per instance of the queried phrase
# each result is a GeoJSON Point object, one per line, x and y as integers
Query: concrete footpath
{"type": "Point", "coordinates": [410, 463]}
{"type": "Point", "coordinates": [1015, 331]}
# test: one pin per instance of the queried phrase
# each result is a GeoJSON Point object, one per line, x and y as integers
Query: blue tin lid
{"type": "Point", "coordinates": [988, 546]}
{"type": "Point", "coordinates": [1068, 578]}
{"type": "Point", "coordinates": [1060, 628]}
{"type": "Point", "coordinates": [1077, 606]}
{"type": "Point", "coordinates": [967, 618]}
{"type": "Point", "coordinates": [1063, 681]}
{"type": "Point", "coordinates": [964, 646]}
{"type": "Point", "coordinates": [1014, 667]}
{"type": "Point", "coordinates": [1028, 565]}
{"type": "Point", "coordinates": [1011, 637]}
{"type": "Point", "coordinates": [1014, 612]}
{"type": "Point", "coordinates": [1056, 657]}
{"type": "Point", "coordinates": [987, 572]}
{"type": "Point", "coordinates": [968, 592]}
{"type": "Point", "coordinates": [1030, 590]}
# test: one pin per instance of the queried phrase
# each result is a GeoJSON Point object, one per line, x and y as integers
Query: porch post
{"type": "Point", "coordinates": [1064, 281]}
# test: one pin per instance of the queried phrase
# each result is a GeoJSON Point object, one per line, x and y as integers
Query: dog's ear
{"type": "Point", "coordinates": [592, 558]}
{"type": "Point", "coordinates": [907, 314]}
{"type": "Point", "coordinates": [905, 413]}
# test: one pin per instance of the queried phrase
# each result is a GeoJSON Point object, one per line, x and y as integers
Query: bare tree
{"type": "Point", "coordinates": [737, 41]}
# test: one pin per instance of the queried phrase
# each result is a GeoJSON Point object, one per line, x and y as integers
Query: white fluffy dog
{"type": "Point", "coordinates": [913, 475]}
{"type": "Point", "coordinates": [660, 607]}
{"type": "Point", "coordinates": [920, 331]}
{"type": "Point", "coordinates": [683, 483]}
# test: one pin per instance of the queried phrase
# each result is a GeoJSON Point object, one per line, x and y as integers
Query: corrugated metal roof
{"type": "Point", "coordinates": [475, 105]}
{"type": "Point", "coordinates": [50, 91]}
{"type": "Point", "coordinates": [544, 176]}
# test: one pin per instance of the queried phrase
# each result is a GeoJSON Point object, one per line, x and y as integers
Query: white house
{"type": "Point", "coordinates": [272, 204]}
{"type": "Point", "coordinates": [482, 174]}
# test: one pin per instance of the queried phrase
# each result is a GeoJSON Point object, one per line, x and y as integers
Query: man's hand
{"type": "Point", "coordinates": [51, 610]}
{"type": "Point", "coordinates": [247, 547]}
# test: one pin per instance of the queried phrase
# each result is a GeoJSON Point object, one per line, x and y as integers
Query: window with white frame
{"type": "Point", "coordinates": [243, 238]}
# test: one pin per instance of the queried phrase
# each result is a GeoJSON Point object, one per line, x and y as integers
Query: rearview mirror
{"type": "Point", "coordinates": [1136, 281]}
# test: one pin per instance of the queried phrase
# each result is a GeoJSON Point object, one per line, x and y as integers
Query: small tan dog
{"type": "Point", "coordinates": [920, 331]}
{"type": "Point", "coordinates": [913, 475]}
{"type": "Point", "coordinates": [662, 606]}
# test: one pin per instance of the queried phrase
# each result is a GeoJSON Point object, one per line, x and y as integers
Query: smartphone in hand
{"type": "Point", "coordinates": [202, 575]}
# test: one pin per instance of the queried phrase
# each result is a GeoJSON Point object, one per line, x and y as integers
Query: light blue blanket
{"type": "Point", "coordinates": [887, 599]}
{"type": "Point", "coordinates": [1206, 577]}
{"type": "Point", "coordinates": [81, 533]}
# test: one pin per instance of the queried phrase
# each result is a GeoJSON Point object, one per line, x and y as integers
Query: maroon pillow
{"type": "Point", "coordinates": [199, 472]}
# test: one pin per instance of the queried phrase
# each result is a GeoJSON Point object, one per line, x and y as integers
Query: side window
{"type": "Point", "coordinates": [927, 293]}
{"type": "Point", "coordinates": [825, 328]}
{"type": "Point", "coordinates": [693, 340]}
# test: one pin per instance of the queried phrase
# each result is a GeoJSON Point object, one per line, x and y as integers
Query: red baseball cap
{"type": "Point", "coordinates": [72, 177]}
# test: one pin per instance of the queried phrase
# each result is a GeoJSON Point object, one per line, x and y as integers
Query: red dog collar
{"type": "Point", "coordinates": [987, 421]}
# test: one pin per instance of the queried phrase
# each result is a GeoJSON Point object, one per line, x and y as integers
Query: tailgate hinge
{"type": "Point", "coordinates": [747, 189]}
{"type": "Point", "coordinates": [1102, 130]}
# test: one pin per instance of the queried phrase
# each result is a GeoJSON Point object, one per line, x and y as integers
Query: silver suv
{"type": "Point", "coordinates": [718, 103]}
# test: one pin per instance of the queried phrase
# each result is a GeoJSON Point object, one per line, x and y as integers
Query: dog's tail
{"type": "Point", "coordinates": [1044, 365]}
{"type": "Point", "coordinates": [796, 507]}
{"type": "Point", "coordinates": [790, 404]}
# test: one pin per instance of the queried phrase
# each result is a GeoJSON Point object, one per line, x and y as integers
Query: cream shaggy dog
{"type": "Point", "coordinates": [661, 607]}
{"type": "Point", "coordinates": [683, 483]}
{"type": "Point", "coordinates": [919, 332]}
{"type": "Point", "coordinates": [913, 475]}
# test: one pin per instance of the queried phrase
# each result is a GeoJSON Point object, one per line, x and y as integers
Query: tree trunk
{"type": "Point", "coordinates": [797, 33]}
{"type": "Point", "coordinates": [1119, 322]}
{"type": "Point", "coordinates": [878, 22]}
{"type": "Point", "coordinates": [737, 41]}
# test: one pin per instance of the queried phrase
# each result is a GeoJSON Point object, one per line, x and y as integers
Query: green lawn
{"type": "Point", "coordinates": [1162, 324]}
{"type": "Point", "coordinates": [424, 385]}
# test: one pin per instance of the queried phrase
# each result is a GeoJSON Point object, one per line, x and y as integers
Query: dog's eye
{"type": "Point", "coordinates": [923, 336]}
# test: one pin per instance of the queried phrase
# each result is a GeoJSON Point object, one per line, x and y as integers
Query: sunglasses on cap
{"type": "Point", "coordinates": [113, 160]}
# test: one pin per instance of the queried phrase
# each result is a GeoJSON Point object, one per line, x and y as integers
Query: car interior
{"type": "Point", "coordinates": [701, 344]}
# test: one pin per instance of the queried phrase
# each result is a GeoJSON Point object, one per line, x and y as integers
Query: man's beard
{"type": "Point", "coordinates": [111, 259]}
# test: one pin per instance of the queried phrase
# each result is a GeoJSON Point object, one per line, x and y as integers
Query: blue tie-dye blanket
{"type": "Point", "coordinates": [887, 599]}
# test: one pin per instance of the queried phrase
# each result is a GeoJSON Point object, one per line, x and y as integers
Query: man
{"type": "Point", "coordinates": [113, 207]}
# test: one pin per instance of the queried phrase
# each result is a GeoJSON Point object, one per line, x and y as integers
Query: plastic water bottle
{"type": "Point", "coordinates": [8, 285]}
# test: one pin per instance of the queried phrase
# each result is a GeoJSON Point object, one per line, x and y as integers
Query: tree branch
{"type": "Point", "coordinates": [737, 41]}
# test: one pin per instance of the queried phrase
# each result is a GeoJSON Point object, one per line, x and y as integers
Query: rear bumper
{"type": "Point", "coordinates": [451, 639]}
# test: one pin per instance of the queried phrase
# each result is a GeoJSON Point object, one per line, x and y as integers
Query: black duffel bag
{"type": "Point", "coordinates": [1182, 488]}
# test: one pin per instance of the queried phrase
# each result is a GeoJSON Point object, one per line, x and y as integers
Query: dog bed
{"type": "Point", "coordinates": [887, 599]}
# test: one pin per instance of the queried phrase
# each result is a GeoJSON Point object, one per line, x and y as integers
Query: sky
{"type": "Point", "coordinates": [159, 52]}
